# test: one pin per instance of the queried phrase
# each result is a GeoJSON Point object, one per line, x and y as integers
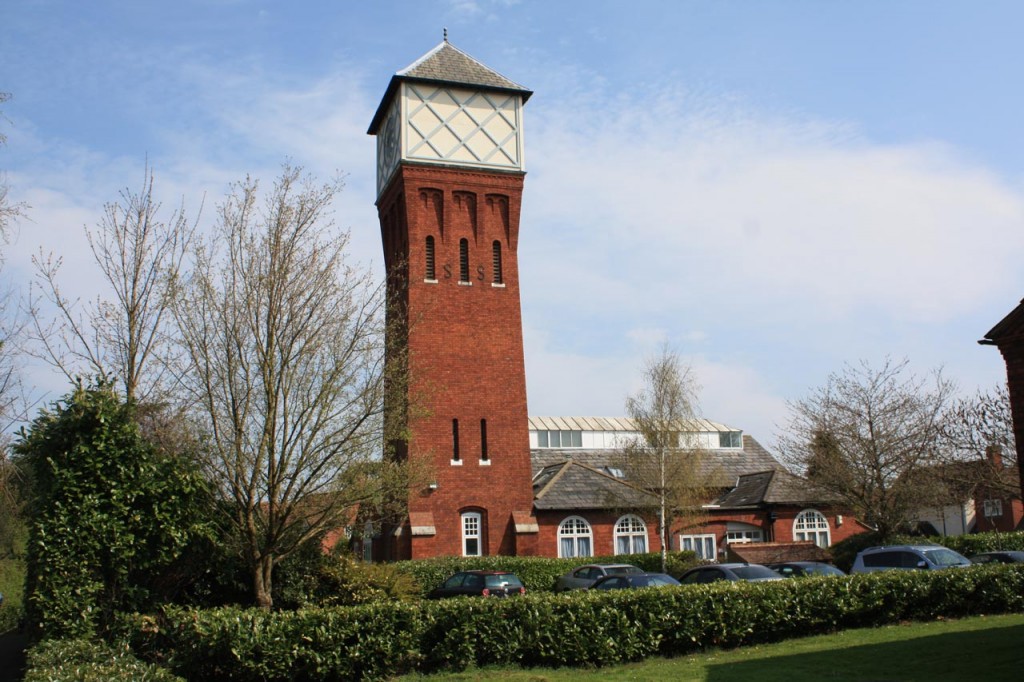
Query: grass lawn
{"type": "Point", "coordinates": [985, 648]}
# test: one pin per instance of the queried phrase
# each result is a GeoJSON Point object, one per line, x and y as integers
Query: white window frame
{"type": "Point", "coordinates": [704, 544]}
{"type": "Point", "coordinates": [472, 524]}
{"type": "Point", "coordinates": [741, 533]}
{"type": "Point", "coordinates": [631, 529]}
{"type": "Point", "coordinates": [811, 525]}
{"type": "Point", "coordinates": [580, 535]}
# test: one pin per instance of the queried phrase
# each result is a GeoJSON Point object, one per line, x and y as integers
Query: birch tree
{"type": "Point", "coordinates": [285, 347]}
{"type": "Point", "coordinates": [664, 460]}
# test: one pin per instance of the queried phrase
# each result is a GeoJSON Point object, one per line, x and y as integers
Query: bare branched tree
{"type": "Point", "coordinates": [975, 429]}
{"type": "Point", "coordinates": [13, 401]}
{"type": "Point", "coordinates": [122, 337]}
{"type": "Point", "coordinates": [285, 342]}
{"type": "Point", "coordinates": [872, 436]}
{"type": "Point", "coordinates": [665, 459]}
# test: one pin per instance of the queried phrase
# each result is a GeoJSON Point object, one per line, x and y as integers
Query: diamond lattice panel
{"type": "Point", "coordinates": [462, 126]}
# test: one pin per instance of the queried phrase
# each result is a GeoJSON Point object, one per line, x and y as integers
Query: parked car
{"type": "Point", "coordinates": [803, 569]}
{"type": "Point", "coordinates": [1009, 557]}
{"type": "Point", "coordinates": [633, 580]}
{"type": "Point", "coordinates": [715, 572]}
{"type": "Point", "coordinates": [907, 557]}
{"type": "Point", "coordinates": [479, 584]}
{"type": "Point", "coordinates": [585, 576]}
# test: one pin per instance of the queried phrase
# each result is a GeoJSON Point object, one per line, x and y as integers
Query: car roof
{"type": "Point", "coordinates": [487, 572]}
{"type": "Point", "coordinates": [914, 547]}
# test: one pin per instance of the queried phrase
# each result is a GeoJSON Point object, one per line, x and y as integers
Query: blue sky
{"type": "Point", "coordinates": [774, 188]}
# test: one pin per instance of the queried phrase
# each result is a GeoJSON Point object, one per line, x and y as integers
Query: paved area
{"type": "Point", "coordinates": [12, 657]}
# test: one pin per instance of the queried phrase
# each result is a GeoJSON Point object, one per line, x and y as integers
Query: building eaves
{"type": "Point", "coordinates": [1010, 326]}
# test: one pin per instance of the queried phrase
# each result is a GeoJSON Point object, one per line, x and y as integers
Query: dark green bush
{"type": "Point", "coordinates": [582, 629]}
{"type": "Point", "coordinates": [84, 660]}
{"type": "Point", "coordinates": [537, 573]}
{"type": "Point", "coordinates": [969, 545]}
{"type": "Point", "coordinates": [12, 581]}
{"type": "Point", "coordinates": [109, 514]}
{"type": "Point", "coordinates": [337, 579]}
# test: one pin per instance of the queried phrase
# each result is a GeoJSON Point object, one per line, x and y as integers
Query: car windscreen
{"type": "Point", "coordinates": [945, 557]}
{"type": "Point", "coordinates": [503, 580]}
{"type": "Point", "coordinates": [754, 572]}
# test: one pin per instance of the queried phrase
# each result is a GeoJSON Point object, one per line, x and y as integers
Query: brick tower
{"type": "Point", "coordinates": [449, 186]}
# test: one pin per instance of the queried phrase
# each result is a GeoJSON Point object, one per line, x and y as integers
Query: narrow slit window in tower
{"type": "Point", "coordinates": [496, 262]}
{"type": "Point", "coordinates": [455, 440]}
{"type": "Point", "coordinates": [463, 260]}
{"type": "Point", "coordinates": [483, 440]}
{"type": "Point", "coordinates": [431, 274]}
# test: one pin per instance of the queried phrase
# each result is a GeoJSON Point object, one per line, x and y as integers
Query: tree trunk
{"type": "Point", "coordinates": [261, 581]}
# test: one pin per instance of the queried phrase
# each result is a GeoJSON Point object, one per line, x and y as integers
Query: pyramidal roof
{"type": "Point", "coordinates": [447, 64]}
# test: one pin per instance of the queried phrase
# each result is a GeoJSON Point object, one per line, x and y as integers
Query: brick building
{"type": "Point", "coordinates": [450, 175]}
{"type": "Point", "coordinates": [1008, 337]}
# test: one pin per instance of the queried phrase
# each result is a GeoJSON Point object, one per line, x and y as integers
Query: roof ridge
{"type": "Point", "coordinates": [551, 481]}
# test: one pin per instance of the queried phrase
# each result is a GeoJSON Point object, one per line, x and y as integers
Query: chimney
{"type": "Point", "coordinates": [994, 455]}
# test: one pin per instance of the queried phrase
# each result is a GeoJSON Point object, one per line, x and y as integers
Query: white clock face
{"type": "Point", "coordinates": [388, 146]}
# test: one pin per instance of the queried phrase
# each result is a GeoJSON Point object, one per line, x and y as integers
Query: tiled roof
{"type": "Point", "coordinates": [618, 424]}
{"type": "Point", "coordinates": [571, 485]}
{"type": "Point", "coordinates": [446, 64]}
{"type": "Point", "coordinates": [716, 468]}
{"type": "Point", "coordinates": [573, 478]}
{"type": "Point", "coordinates": [776, 486]}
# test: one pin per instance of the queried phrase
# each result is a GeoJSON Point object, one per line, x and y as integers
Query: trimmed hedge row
{"type": "Point", "coordinates": [969, 545]}
{"type": "Point", "coordinates": [537, 573]}
{"type": "Point", "coordinates": [579, 629]}
{"type": "Point", "coordinates": [85, 660]}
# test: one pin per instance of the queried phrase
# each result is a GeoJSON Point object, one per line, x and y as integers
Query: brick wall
{"type": "Point", "coordinates": [465, 349]}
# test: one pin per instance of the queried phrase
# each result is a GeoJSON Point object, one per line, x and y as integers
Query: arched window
{"type": "Point", "coordinates": [471, 540]}
{"type": "Point", "coordinates": [574, 538]}
{"type": "Point", "coordinates": [431, 272]}
{"type": "Point", "coordinates": [496, 262]}
{"type": "Point", "coordinates": [812, 525]}
{"type": "Point", "coordinates": [463, 260]}
{"type": "Point", "coordinates": [630, 535]}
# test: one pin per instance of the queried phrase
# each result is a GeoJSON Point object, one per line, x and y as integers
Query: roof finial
{"type": "Point", "coordinates": [446, 34]}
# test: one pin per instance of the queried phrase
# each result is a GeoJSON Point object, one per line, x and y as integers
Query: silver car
{"type": "Point", "coordinates": [907, 558]}
{"type": "Point", "coordinates": [583, 577]}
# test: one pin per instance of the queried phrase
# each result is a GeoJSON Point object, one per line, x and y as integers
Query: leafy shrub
{"type": "Point", "coordinates": [537, 573]}
{"type": "Point", "coordinates": [581, 629]}
{"type": "Point", "coordinates": [12, 581]}
{"type": "Point", "coordinates": [84, 660]}
{"type": "Point", "coordinates": [109, 514]}
{"type": "Point", "coordinates": [313, 578]}
{"type": "Point", "coordinates": [969, 545]}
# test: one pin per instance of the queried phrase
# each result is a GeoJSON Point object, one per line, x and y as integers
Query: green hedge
{"type": "Point", "coordinates": [84, 660]}
{"type": "Point", "coordinates": [969, 545]}
{"type": "Point", "coordinates": [580, 629]}
{"type": "Point", "coordinates": [538, 574]}
{"type": "Point", "coordinates": [12, 584]}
